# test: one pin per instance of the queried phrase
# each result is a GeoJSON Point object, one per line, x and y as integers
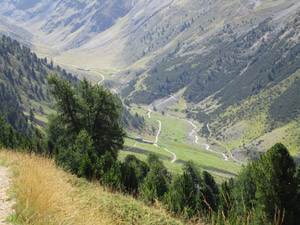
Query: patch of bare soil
{"type": "Point", "coordinates": [6, 204]}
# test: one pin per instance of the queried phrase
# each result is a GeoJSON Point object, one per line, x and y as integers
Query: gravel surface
{"type": "Point", "coordinates": [6, 204]}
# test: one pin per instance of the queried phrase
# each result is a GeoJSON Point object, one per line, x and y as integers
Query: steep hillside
{"type": "Point", "coordinates": [219, 60]}
{"type": "Point", "coordinates": [24, 97]}
{"type": "Point", "coordinates": [261, 103]}
{"type": "Point", "coordinates": [46, 194]}
{"type": "Point", "coordinates": [64, 25]}
{"type": "Point", "coordinates": [15, 32]}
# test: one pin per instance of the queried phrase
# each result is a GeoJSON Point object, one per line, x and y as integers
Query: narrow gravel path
{"type": "Point", "coordinates": [103, 78]}
{"type": "Point", "coordinates": [237, 162]}
{"type": "Point", "coordinates": [158, 133]}
{"type": "Point", "coordinates": [149, 113]}
{"type": "Point", "coordinates": [174, 155]}
{"type": "Point", "coordinates": [5, 204]}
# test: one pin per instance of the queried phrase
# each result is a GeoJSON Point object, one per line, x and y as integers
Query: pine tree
{"type": "Point", "coordinates": [86, 114]}
{"type": "Point", "coordinates": [156, 183]}
{"type": "Point", "coordinates": [274, 175]}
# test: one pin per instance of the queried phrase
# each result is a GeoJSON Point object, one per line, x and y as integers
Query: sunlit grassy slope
{"type": "Point", "coordinates": [249, 127]}
{"type": "Point", "coordinates": [46, 194]}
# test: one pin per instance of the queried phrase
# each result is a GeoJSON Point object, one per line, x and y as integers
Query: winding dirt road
{"type": "Point", "coordinates": [191, 134]}
{"type": "Point", "coordinates": [174, 155]}
{"type": "Point", "coordinates": [156, 140]}
{"type": "Point", "coordinates": [195, 136]}
{"type": "Point", "coordinates": [237, 162]}
{"type": "Point", "coordinates": [5, 203]}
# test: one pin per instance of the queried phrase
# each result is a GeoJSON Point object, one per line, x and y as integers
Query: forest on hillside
{"type": "Point", "coordinates": [23, 83]}
{"type": "Point", "coordinates": [231, 72]}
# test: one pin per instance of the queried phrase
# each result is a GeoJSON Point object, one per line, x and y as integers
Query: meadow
{"type": "Point", "coordinates": [175, 136]}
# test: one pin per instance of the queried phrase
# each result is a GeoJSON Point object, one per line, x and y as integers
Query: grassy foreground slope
{"type": "Point", "coordinates": [46, 194]}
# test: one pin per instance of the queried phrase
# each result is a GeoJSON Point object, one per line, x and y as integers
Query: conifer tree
{"type": "Point", "coordinates": [274, 175]}
{"type": "Point", "coordinates": [86, 126]}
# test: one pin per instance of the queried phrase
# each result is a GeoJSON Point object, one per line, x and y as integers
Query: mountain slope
{"type": "Point", "coordinates": [24, 97]}
{"type": "Point", "coordinates": [133, 31]}
{"type": "Point", "coordinates": [264, 95]}
{"type": "Point", "coordinates": [236, 62]}
{"type": "Point", "coordinates": [15, 32]}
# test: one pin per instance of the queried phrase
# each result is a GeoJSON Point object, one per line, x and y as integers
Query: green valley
{"type": "Point", "coordinates": [190, 106]}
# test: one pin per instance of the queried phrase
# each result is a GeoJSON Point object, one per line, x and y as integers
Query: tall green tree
{"type": "Point", "coordinates": [274, 175]}
{"type": "Point", "coordinates": [244, 189]}
{"type": "Point", "coordinates": [211, 190]}
{"type": "Point", "coordinates": [226, 198]}
{"type": "Point", "coordinates": [85, 128]}
{"type": "Point", "coordinates": [193, 192]}
{"type": "Point", "coordinates": [182, 198]}
{"type": "Point", "coordinates": [156, 183]}
{"type": "Point", "coordinates": [133, 173]}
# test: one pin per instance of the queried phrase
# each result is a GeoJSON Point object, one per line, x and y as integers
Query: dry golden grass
{"type": "Point", "coordinates": [46, 194]}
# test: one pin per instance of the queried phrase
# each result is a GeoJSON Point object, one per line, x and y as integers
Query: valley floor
{"type": "Point", "coordinates": [176, 141]}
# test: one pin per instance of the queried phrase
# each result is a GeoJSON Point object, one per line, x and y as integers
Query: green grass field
{"type": "Point", "coordinates": [175, 137]}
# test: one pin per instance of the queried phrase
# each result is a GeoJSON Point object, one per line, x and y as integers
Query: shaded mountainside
{"type": "Point", "coordinates": [23, 91]}
{"type": "Point", "coordinates": [235, 61]}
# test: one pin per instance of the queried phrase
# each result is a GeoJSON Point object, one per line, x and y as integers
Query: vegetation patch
{"type": "Point", "coordinates": [47, 195]}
